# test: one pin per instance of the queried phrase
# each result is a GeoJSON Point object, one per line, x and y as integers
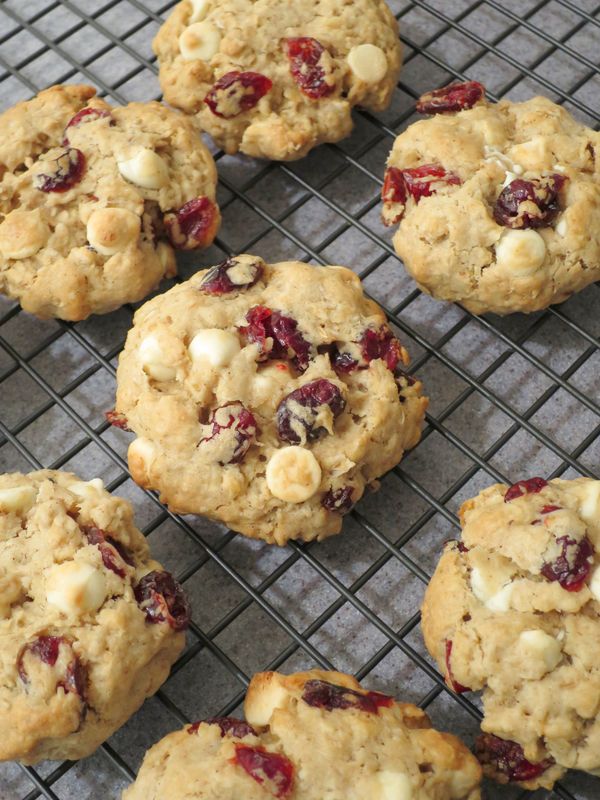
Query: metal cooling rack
{"type": "Point", "coordinates": [510, 397]}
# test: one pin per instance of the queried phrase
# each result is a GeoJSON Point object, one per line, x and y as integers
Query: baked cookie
{"type": "Point", "coordinates": [266, 396]}
{"type": "Point", "coordinates": [514, 610]}
{"type": "Point", "coordinates": [273, 79]}
{"type": "Point", "coordinates": [310, 736]}
{"type": "Point", "coordinates": [90, 625]}
{"type": "Point", "coordinates": [94, 198]}
{"type": "Point", "coordinates": [498, 204]}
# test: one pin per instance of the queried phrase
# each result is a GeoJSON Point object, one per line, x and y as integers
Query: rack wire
{"type": "Point", "coordinates": [510, 397]}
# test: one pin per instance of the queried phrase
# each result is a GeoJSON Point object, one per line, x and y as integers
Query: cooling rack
{"type": "Point", "coordinates": [509, 397]}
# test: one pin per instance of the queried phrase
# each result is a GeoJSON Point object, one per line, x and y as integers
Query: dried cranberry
{"type": "Point", "coordinates": [223, 278]}
{"type": "Point", "coordinates": [275, 770]}
{"type": "Point", "coordinates": [549, 509]}
{"type": "Point", "coordinates": [454, 685]}
{"type": "Point", "coordinates": [82, 118]}
{"type": "Point", "coordinates": [113, 553]}
{"type": "Point", "coordinates": [47, 649]}
{"type": "Point", "coordinates": [308, 65]}
{"type": "Point", "coordinates": [235, 418]}
{"type": "Point", "coordinates": [573, 565]}
{"type": "Point", "coordinates": [117, 420]}
{"type": "Point", "coordinates": [236, 92]}
{"type": "Point", "coordinates": [277, 336]}
{"type": "Point", "coordinates": [506, 758]}
{"type": "Point", "coordinates": [228, 725]}
{"type": "Point", "coordinates": [456, 97]}
{"type": "Point", "coordinates": [529, 204]}
{"type": "Point", "coordinates": [373, 344]}
{"type": "Point", "coordinates": [321, 694]}
{"type": "Point", "coordinates": [416, 182]}
{"type": "Point", "coordinates": [162, 599]}
{"type": "Point", "coordinates": [520, 488]}
{"type": "Point", "coordinates": [194, 225]}
{"type": "Point", "coordinates": [338, 501]}
{"type": "Point", "coordinates": [298, 413]}
{"type": "Point", "coordinates": [68, 170]}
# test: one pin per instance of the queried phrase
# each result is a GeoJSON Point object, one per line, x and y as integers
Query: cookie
{"type": "Point", "coordinates": [273, 79]}
{"type": "Point", "coordinates": [309, 736]}
{"type": "Point", "coordinates": [94, 198]}
{"type": "Point", "coordinates": [513, 610]}
{"type": "Point", "coordinates": [266, 396]}
{"type": "Point", "coordinates": [90, 625]}
{"type": "Point", "coordinates": [498, 204]}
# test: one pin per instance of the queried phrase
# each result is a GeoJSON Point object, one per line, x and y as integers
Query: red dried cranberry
{"type": "Point", "coordinates": [68, 170]}
{"type": "Point", "coordinates": [236, 418]}
{"type": "Point", "coordinates": [228, 725]}
{"type": "Point", "coordinates": [297, 414]}
{"type": "Point", "coordinates": [162, 599]}
{"type": "Point", "coordinates": [456, 97]}
{"type": "Point", "coordinates": [321, 694]}
{"type": "Point", "coordinates": [113, 553]}
{"type": "Point", "coordinates": [82, 118]}
{"type": "Point", "coordinates": [338, 501]}
{"type": "Point", "coordinates": [573, 565]}
{"type": "Point", "coordinates": [520, 488]}
{"type": "Point", "coordinates": [394, 195]}
{"type": "Point", "coordinates": [222, 279]}
{"type": "Point", "coordinates": [194, 225]}
{"type": "Point", "coordinates": [47, 649]}
{"type": "Point", "coordinates": [416, 182]}
{"type": "Point", "coordinates": [373, 344]}
{"type": "Point", "coordinates": [457, 544]}
{"type": "Point", "coordinates": [308, 66]}
{"type": "Point", "coordinates": [236, 92]}
{"type": "Point", "coordinates": [284, 339]}
{"type": "Point", "coordinates": [454, 685]}
{"type": "Point", "coordinates": [275, 770]}
{"type": "Point", "coordinates": [529, 204]}
{"type": "Point", "coordinates": [117, 420]}
{"type": "Point", "coordinates": [506, 759]}
{"type": "Point", "coordinates": [549, 509]}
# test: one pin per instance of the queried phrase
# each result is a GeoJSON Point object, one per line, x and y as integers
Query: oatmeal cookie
{"type": "Point", "coordinates": [309, 736]}
{"type": "Point", "coordinates": [513, 610]}
{"type": "Point", "coordinates": [498, 204]}
{"type": "Point", "coordinates": [266, 396]}
{"type": "Point", "coordinates": [272, 78]}
{"type": "Point", "coordinates": [90, 625]}
{"type": "Point", "coordinates": [94, 198]}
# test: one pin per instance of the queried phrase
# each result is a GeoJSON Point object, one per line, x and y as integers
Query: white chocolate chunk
{"type": "Point", "coordinates": [501, 600]}
{"type": "Point", "coordinates": [215, 346]}
{"type": "Point", "coordinates": [521, 252]}
{"type": "Point", "coordinates": [166, 256]}
{"type": "Point", "coordinates": [509, 178]}
{"type": "Point", "coordinates": [75, 588]}
{"type": "Point", "coordinates": [540, 647]}
{"type": "Point", "coordinates": [23, 233]}
{"type": "Point", "coordinates": [594, 584]}
{"type": "Point", "coordinates": [153, 360]}
{"type": "Point", "coordinates": [392, 786]}
{"type": "Point", "coordinates": [18, 499]}
{"type": "Point", "coordinates": [87, 490]}
{"type": "Point", "coordinates": [561, 227]}
{"type": "Point", "coordinates": [532, 154]}
{"type": "Point", "coordinates": [488, 592]}
{"type": "Point", "coordinates": [199, 10]}
{"type": "Point", "coordinates": [146, 169]}
{"type": "Point", "coordinates": [110, 230]}
{"type": "Point", "coordinates": [368, 62]}
{"type": "Point", "coordinates": [589, 508]}
{"type": "Point", "coordinates": [200, 41]}
{"type": "Point", "coordinates": [140, 455]}
{"type": "Point", "coordinates": [260, 705]}
{"type": "Point", "coordinates": [293, 474]}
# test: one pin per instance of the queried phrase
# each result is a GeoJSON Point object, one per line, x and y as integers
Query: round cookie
{"type": "Point", "coordinates": [513, 609]}
{"type": "Point", "coordinates": [309, 736]}
{"type": "Point", "coordinates": [94, 198]}
{"type": "Point", "coordinates": [273, 79]}
{"type": "Point", "coordinates": [266, 396]}
{"type": "Point", "coordinates": [90, 625]}
{"type": "Point", "coordinates": [498, 205]}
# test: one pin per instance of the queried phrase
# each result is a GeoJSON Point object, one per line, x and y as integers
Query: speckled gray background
{"type": "Point", "coordinates": [509, 397]}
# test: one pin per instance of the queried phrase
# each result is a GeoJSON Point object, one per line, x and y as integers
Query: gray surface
{"type": "Point", "coordinates": [519, 359]}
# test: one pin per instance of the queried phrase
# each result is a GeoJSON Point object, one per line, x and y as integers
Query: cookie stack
{"type": "Point", "coordinates": [269, 396]}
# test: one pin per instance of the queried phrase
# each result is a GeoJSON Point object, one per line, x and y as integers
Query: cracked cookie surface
{"type": "Point", "coordinates": [93, 198]}
{"type": "Point", "coordinates": [266, 396]}
{"type": "Point", "coordinates": [90, 625]}
{"type": "Point", "coordinates": [513, 610]}
{"type": "Point", "coordinates": [310, 736]}
{"type": "Point", "coordinates": [273, 79]}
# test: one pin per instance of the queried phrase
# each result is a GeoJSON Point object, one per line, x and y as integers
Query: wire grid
{"type": "Point", "coordinates": [510, 397]}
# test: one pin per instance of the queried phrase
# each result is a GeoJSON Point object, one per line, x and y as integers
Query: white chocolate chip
{"type": "Point", "coordinates": [488, 592]}
{"type": "Point", "coordinates": [200, 41]}
{"type": "Point", "coordinates": [152, 359]}
{"type": "Point", "coordinates": [140, 455]}
{"type": "Point", "coordinates": [492, 154]}
{"type": "Point", "coordinates": [87, 490]}
{"type": "Point", "coordinates": [521, 252]}
{"type": "Point", "coordinates": [368, 62]}
{"type": "Point", "coordinates": [110, 230]}
{"type": "Point", "coordinates": [561, 227]}
{"type": "Point", "coordinates": [23, 233]}
{"type": "Point", "coordinates": [590, 502]}
{"type": "Point", "coordinates": [214, 346]}
{"type": "Point", "coordinates": [393, 786]}
{"type": "Point", "coordinates": [293, 474]}
{"type": "Point", "coordinates": [260, 705]}
{"type": "Point", "coordinates": [594, 584]}
{"type": "Point", "coordinates": [501, 600]}
{"type": "Point", "coordinates": [559, 168]}
{"type": "Point", "coordinates": [532, 154]}
{"type": "Point", "coordinates": [75, 588]}
{"type": "Point", "coordinates": [540, 647]}
{"type": "Point", "coordinates": [509, 178]}
{"type": "Point", "coordinates": [18, 498]}
{"type": "Point", "coordinates": [199, 10]}
{"type": "Point", "coordinates": [166, 256]}
{"type": "Point", "coordinates": [146, 169]}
